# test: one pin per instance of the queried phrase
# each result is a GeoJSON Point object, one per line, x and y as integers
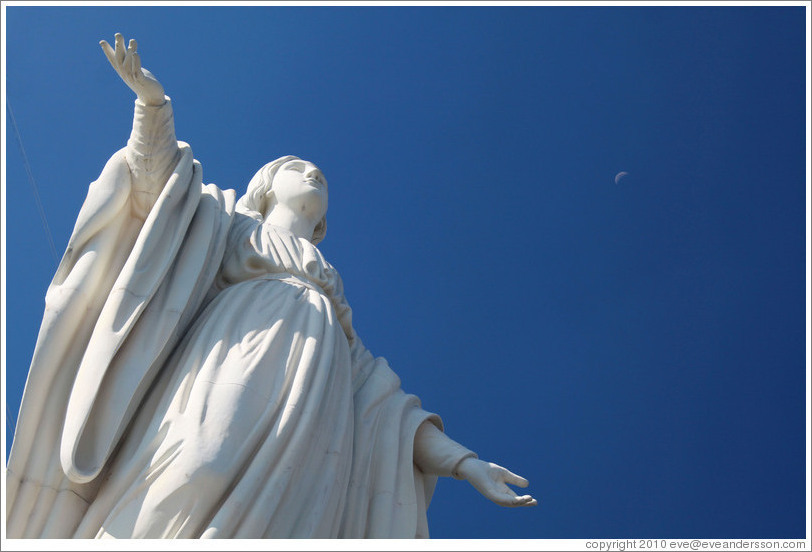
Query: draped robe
{"type": "Point", "coordinates": [210, 384]}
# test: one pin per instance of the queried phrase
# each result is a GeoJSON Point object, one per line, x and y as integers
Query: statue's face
{"type": "Point", "coordinates": [301, 186]}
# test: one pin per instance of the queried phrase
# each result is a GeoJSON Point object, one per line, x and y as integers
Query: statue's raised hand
{"type": "Point", "coordinates": [491, 480]}
{"type": "Point", "coordinates": [127, 64]}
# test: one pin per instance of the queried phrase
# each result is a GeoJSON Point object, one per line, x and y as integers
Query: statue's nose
{"type": "Point", "coordinates": [315, 174]}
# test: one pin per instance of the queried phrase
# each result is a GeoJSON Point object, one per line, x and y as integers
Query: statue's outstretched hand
{"type": "Point", "coordinates": [127, 64]}
{"type": "Point", "coordinates": [491, 480]}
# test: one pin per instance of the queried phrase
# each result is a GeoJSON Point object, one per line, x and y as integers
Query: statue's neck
{"type": "Point", "coordinates": [299, 225]}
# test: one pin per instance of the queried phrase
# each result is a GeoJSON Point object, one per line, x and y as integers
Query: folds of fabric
{"type": "Point", "coordinates": [387, 494]}
{"type": "Point", "coordinates": [266, 423]}
{"type": "Point", "coordinates": [119, 277]}
{"type": "Point", "coordinates": [206, 399]}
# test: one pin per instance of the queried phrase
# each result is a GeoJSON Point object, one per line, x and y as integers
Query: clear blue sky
{"type": "Point", "coordinates": [635, 349]}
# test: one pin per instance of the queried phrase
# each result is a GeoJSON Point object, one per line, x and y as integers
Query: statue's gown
{"type": "Point", "coordinates": [210, 383]}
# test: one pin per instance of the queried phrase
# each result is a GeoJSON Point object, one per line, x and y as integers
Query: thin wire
{"type": "Point", "coordinates": [12, 424]}
{"type": "Point", "coordinates": [33, 184]}
{"type": "Point", "coordinates": [10, 421]}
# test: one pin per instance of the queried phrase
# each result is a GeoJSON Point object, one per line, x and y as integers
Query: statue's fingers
{"type": "Point", "coordinates": [111, 57]}
{"type": "Point", "coordinates": [108, 51]}
{"type": "Point", "coordinates": [516, 501]}
{"type": "Point", "coordinates": [525, 500]}
{"type": "Point", "coordinates": [132, 47]}
{"type": "Point", "coordinates": [137, 65]}
{"type": "Point", "coordinates": [514, 479]}
{"type": "Point", "coordinates": [131, 66]}
{"type": "Point", "coordinates": [120, 52]}
{"type": "Point", "coordinates": [128, 56]}
{"type": "Point", "coordinates": [508, 498]}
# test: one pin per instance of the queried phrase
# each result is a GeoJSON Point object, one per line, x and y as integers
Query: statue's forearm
{"type": "Point", "coordinates": [438, 454]}
{"type": "Point", "coordinates": [152, 152]}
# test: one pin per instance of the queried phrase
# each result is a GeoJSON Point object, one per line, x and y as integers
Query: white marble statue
{"type": "Point", "coordinates": [197, 374]}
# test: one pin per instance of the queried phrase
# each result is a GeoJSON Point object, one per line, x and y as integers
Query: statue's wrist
{"type": "Point", "coordinates": [151, 102]}
{"type": "Point", "coordinates": [464, 467]}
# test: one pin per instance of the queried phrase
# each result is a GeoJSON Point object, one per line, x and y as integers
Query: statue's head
{"type": "Point", "coordinates": [287, 179]}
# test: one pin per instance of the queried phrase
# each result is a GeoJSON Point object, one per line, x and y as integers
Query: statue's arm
{"type": "Point", "coordinates": [152, 150]}
{"type": "Point", "coordinates": [438, 454]}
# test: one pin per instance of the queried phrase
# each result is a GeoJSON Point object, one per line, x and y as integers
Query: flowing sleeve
{"type": "Point", "coordinates": [389, 494]}
{"type": "Point", "coordinates": [35, 483]}
{"type": "Point", "coordinates": [152, 153]}
{"type": "Point", "coordinates": [438, 454]}
{"type": "Point", "coordinates": [140, 253]}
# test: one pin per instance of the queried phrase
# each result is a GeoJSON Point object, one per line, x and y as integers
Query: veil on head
{"type": "Point", "coordinates": [255, 201]}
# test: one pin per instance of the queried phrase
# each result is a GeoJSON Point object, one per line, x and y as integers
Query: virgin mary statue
{"type": "Point", "coordinates": [197, 375]}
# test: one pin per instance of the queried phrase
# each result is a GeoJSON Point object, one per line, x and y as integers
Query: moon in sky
{"type": "Point", "coordinates": [619, 176]}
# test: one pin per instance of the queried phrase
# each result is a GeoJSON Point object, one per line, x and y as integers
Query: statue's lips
{"type": "Point", "coordinates": [314, 183]}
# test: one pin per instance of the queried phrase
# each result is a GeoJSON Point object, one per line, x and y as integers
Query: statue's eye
{"type": "Point", "coordinates": [295, 166]}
